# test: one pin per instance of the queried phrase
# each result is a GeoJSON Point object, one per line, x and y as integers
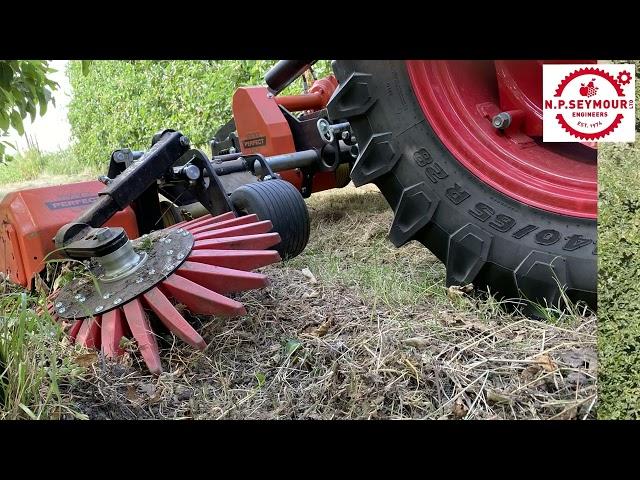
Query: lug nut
{"type": "Point", "coordinates": [501, 121]}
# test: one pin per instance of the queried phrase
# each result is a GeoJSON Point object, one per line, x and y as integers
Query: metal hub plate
{"type": "Point", "coordinates": [86, 295]}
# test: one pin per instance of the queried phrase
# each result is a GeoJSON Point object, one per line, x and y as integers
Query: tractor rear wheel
{"type": "Point", "coordinates": [500, 208]}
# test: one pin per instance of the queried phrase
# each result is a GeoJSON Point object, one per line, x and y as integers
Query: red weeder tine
{"type": "Point", "coordinates": [75, 328]}
{"type": "Point", "coordinates": [220, 279]}
{"type": "Point", "coordinates": [236, 259]}
{"type": "Point", "coordinates": [113, 329]}
{"type": "Point", "coordinates": [141, 331]}
{"type": "Point", "coordinates": [89, 333]}
{"type": "Point", "coordinates": [247, 242]}
{"type": "Point", "coordinates": [172, 319]}
{"type": "Point", "coordinates": [199, 299]}
{"type": "Point", "coordinates": [207, 219]}
{"type": "Point", "coordinates": [236, 230]}
{"type": "Point", "coordinates": [212, 225]}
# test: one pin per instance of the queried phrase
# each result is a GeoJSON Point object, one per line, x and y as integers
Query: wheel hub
{"type": "Point", "coordinates": [461, 100]}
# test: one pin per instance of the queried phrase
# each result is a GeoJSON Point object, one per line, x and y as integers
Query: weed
{"type": "Point", "coordinates": [32, 362]}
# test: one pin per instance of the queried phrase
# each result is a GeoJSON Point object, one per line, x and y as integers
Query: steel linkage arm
{"type": "Point", "coordinates": [117, 195]}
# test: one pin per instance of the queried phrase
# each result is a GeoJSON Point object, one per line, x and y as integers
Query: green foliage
{"type": "Point", "coordinates": [261, 379]}
{"type": "Point", "coordinates": [619, 281]}
{"type": "Point", "coordinates": [619, 278]}
{"type": "Point", "coordinates": [123, 103]}
{"type": "Point", "coordinates": [24, 90]}
{"type": "Point", "coordinates": [85, 66]}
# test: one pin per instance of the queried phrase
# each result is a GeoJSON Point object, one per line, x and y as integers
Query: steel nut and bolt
{"type": "Point", "coordinates": [191, 172]}
{"type": "Point", "coordinates": [501, 121]}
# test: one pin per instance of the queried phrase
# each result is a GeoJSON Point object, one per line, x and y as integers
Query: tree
{"type": "Point", "coordinates": [122, 103]}
{"type": "Point", "coordinates": [25, 89]}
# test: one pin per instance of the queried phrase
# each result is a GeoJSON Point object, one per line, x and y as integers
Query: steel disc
{"type": "Point", "coordinates": [88, 295]}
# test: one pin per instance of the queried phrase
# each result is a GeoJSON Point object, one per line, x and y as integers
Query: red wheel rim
{"type": "Point", "coordinates": [460, 99]}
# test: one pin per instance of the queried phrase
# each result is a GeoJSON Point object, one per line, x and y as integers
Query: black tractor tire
{"type": "Point", "coordinates": [483, 236]}
{"type": "Point", "coordinates": [280, 202]}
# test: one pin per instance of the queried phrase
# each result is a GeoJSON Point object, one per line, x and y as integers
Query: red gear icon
{"type": "Point", "coordinates": [592, 71]}
{"type": "Point", "coordinates": [623, 77]}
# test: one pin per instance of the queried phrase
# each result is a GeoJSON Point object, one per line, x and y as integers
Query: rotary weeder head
{"type": "Point", "coordinates": [193, 263]}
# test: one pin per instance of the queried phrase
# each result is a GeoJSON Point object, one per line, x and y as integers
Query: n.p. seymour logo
{"type": "Point", "coordinates": [588, 103]}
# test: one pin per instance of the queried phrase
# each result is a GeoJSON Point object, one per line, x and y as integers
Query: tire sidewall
{"type": "Point", "coordinates": [279, 202]}
{"type": "Point", "coordinates": [461, 197]}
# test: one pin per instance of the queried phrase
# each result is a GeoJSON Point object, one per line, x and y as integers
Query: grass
{"type": "Point", "coordinates": [354, 328]}
{"type": "Point", "coordinates": [351, 328]}
{"type": "Point", "coordinates": [34, 363]}
{"type": "Point", "coordinates": [35, 167]}
{"type": "Point", "coordinates": [367, 260]}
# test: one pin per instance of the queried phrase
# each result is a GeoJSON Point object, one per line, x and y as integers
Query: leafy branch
{"type": "Point", "coordinates": [25, 89]}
